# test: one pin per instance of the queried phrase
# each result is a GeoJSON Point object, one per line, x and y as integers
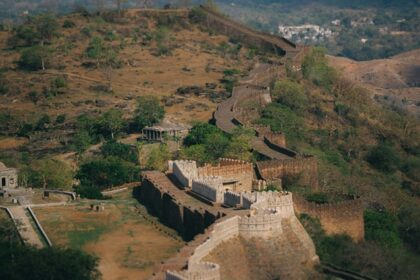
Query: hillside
{"type": "Point", "coordinates": [195, 59]}
{"type": "Point", "coordinates": [395, 80]}
{"type": "Point", "coordinates": [77, 90]}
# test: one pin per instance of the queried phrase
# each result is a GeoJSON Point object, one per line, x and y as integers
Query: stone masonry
{"type": "Point", "coordinates": [8, 177]}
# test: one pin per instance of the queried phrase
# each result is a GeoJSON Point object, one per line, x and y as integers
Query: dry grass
{"type": "Point", "coordinates": [129, 247]}
{"type": "Point", "coordinates": [142, 73]}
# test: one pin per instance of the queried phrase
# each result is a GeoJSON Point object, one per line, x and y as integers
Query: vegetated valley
{"type": "Point", "coordinates": [77, 90]}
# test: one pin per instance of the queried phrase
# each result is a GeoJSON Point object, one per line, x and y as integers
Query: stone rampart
{"type": "Point", "coordinates": [306, 167]}
{"type": "Point", "coordinates": [227, 169]}
{"type": "Point", "coordinates": [231, 199]}
{"type": "Point", "coordinates": [277, 139]}
{"type": "Point", "coordinates": [209, 187]}
{"type": "Point", "coordinates": [271, 213]}
{"type": "Point", "coordinates": [279, 148]}
{"type": "Point", "coordinates": [237, 175]}
{"type": "Point", "coordinates": [275, 44]}
{"type": "Point", "coordinates": [173, 206]}
{"type": "Point", "coordinates": [344, 217]}
{"type": "Point", "coordinates": [185, 171]}
{"type": "Point", "coordinates": [202, 271]}
{"type": "Point", "coordinates": [264, 224]}
{"type": "Point", "coordinates": [221, 232]}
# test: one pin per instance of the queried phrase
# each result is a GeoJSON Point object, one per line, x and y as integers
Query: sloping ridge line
{"type": "Point", "coordinates": [281, 42]}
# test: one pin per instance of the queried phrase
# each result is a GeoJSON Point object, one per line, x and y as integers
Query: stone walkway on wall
{"type": "Point", "coordinates": [25, 227]}
{"type": "Point", "coordinates": [225, 114]}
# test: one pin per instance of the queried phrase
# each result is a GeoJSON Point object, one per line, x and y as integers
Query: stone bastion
{"type": "Point", "coordinates": [268, 211]}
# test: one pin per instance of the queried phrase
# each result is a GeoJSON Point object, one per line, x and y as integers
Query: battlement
{"type": "Point", "coordinates": [344, 217]}
{"type": "Point", "coordinates": [226, 168]}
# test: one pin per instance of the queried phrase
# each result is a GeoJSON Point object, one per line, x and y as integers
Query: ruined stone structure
{"type": "Point", "coordinates": [345, 217]}
{"type": "Point", "coordinates": [305, 167]}
{"type": "Point", "coordinates": [164, 131]}
{"type": "Point", "coordinates": [270, 213]}
{"type": "Point", "coordinates": [8, 177]}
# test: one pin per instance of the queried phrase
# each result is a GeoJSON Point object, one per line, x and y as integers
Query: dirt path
{"type": "Point", "coordinates": [25, 227]}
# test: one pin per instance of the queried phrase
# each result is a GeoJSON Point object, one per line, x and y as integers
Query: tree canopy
{"type": "Point", "coordinates": [148, 112]}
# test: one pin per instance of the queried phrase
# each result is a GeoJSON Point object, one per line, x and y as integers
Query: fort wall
{"type": "Point", "coordinates": [271, 140]}
{"type": "Point", "coordinates": [158, 194]}
{"type": "Point", "coordinates": [276, 139]}
{"type": "Point", "coordinates": [344, 217]}
{"type": "Point", "coordinates": [271, 214]}
{"type": "Point", "coordinates": [264, 224]}
{"type": "Point", "coordinates": [210, 188]}
{"type": "Point", "coordinates": [306, 167]}
{"type": "Point", "coordinates": [231, 199]}
{"type": "Point", "coordinates": [185, 171]}
{"type": "Point", "coordinates": [246, 35]}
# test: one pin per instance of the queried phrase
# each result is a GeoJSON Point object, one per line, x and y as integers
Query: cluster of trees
{"type": "Point", "coordinates": [34, 36]}
{"type": "Point", "coordinates": [207, 143]}
{"type": "Point", "coordinates": [92, 129]}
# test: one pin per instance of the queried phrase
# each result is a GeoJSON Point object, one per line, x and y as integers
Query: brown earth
{"type": "Point", "coordinates": [194, 61]}
{"type": "Point", "coordinates": [128, 244]}
{"type": "Point", "coordinates": [12, 142]}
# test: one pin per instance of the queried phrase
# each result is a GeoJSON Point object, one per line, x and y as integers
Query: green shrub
{"type": "Point", "coordinates": [195, 152]}
{"type": "Point", "coordinates": [381, 227]}
{"type": "Point", "coordinates": [411, 167]}
{"type": "Point", "coordinates": [51, 174]}
{"type": "Point", "coordinates": [282, 119]}
{"type": "Point", "coordinates": [158, 158]}
{"type": "Point", "coordinates": [148, 112]}
{"type": "Point", "coordinates": [59, 82]}
{"type": "Point", "coordinates": [20, 262]}
{"type": "Point", "coordinates": [291, 94]}
{"type": "Point", "coordinates": [384, 158]}
{"type": "Point", "coordinates": [120, 150]}
{"type": "Point", "coordinates": [60, 119]}
{"type": "Point", "coordinates": [86, 31]}
{"type": "Point", "coordinates": [68, 23]}
{"type": "Point", "coordinates": [315, 68]}
{"type": "Point", "coordinates": [318, 198]}
{"type": "Point", "coordinates": [199, 133]}
{"type": "Point", "coordinates": [108, 172]}
{"type": "Point", "coordinates": [34, 58]}
{"type": "Point", "coordinates": [110, 36]}
{"type": "Point", "coordinates": [81, 141]}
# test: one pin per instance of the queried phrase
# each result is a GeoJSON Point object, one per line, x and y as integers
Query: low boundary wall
{"type": "Point", "coordinates": [40, 228]}
{"type": "Point", "coordinates": [71, 194]}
